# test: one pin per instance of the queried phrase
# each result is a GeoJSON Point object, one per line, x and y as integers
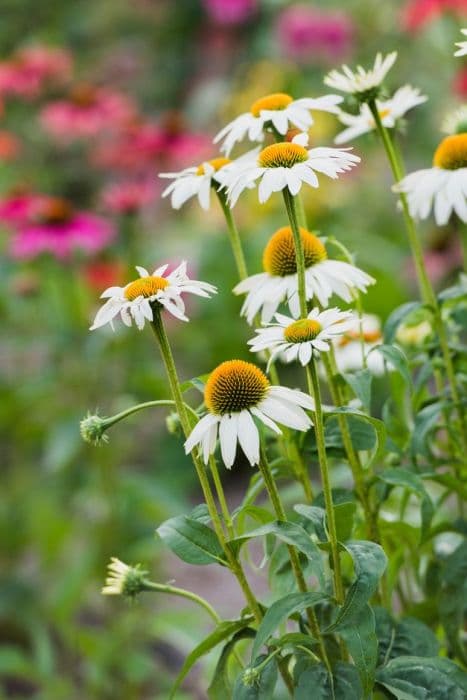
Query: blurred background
{"type": "Point", "coordinates": [96, 98]}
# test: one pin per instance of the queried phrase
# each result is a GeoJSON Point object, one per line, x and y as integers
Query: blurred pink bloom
{"type": "Point", "coordinates": [230, 11]}
{"type": "Point", "coordinates": [87, 111]}
{"type": "Point", "coordinates": [18, 208]}
{"type": "Point", "coordinates": [459, 85]}
{"type": "Point", "coordinates": [306, 33]}
{"type": "Point", "coordinates": [129, 196]}
{"type": "Point", "coordinates": [416, 13]}
{"type": "Point", "coordinates": [101, 274]}
{"type": "Point", "coordinates": [53, 226]}
{"type": "Point", "coordinates": [28, 71]}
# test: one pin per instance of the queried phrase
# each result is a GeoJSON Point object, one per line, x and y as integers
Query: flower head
{"type": "Point", "coordinates": [462, 50]}
{"type": "Point", "coordinates": [123, 579]}
{"type": "Point", "coordinates": [52, 225]}
{"type": "Point", "coordinates": [128, 196]}
{"type": "Point", "coordinates": [442, 187]}
{"type": "Point", "coordinates": [230, 12]}
{"type": "Point", "coordinates": [363, 84]}
{"type": "Point", "coordinates": [301, 339]}
{"type": "Point", "coordinates": [236, 393]}
{"type": "Point", "coordinates": [136, 301]}
{"type": "Point", "coordinates": [92, 429]}
{"type": "Point", "coordinates": [288, 165]}
{"type": "Point", "coordinates": [29, 70]}
{"type": "Point", "coordinates": [414, 335]}
{"type": "Point", "coordinates": [278, 111]}
{"type": "Point", "coordinates": [198, 181]}
{"type": "Point", "coordinates": [390, 112]}
{"type": "Point", "coordinates": [279, 282]}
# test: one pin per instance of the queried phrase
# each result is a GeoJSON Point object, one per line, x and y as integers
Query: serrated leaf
{"type": "Point", "coordinates": [421, 678]}
{"type": "Point", "coordinates": [280, 611]}
{"type": "Point", "coordinates": [191, 540]}
{"type": "Point", "coordinates": [223, 631]}
{"type": "Point", "coordinates": [262, 688]}
{"type": "Point", "coordinates": [396, 317]}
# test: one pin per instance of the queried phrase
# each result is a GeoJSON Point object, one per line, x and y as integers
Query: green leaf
{"type": "Point", "coordinates": [360, 383]}
{"type": "Point", "coordinates": [396, 317]}
{"type": "Point", "coordinates": [223, 631]}
{"type": "Point", "coordinates": [395, 357]}
{"type": "Point", "coordinates": [344, 516]}
{"type": "Point", "coordinates": [369, 563]}
{"type": "Point", "coordinates": [361, 641]}
{"type": "Point", "coordinates": [421, 678]}
{"type": "Point", "coordinates": [377, 425]}
{"type": "Point", "coordinates": [453, 598]}
{"type": "Point", "coordinates": [425, 422]}
{"type": "Point", "coordinates": [221, 687]}
{"type": "Point", "coordinates": [457, 291]}
{"type": "Point", "coordinates": [346, 681]}
{"type": "Point", "coordinates": [280, 611]}
{"type": "Point", "coordinates": [413, 482]}
{"type": "Point", "coordinates": [195, 383]}
{"type": "Point", "coordinates": [406, 637]}
{"type": "Point", "coordinates": [291, 533]}
{"type": "Point", "coordinates": [316, 516]}
{"type": "Point", "coordinates": [191, 540]}
{"type": "Point", "coordinates": [262, 688]}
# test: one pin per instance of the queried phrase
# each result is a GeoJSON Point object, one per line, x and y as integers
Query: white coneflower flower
{"type": "Point", "coordinates": [197, 181]}
{"type": "Point", "coordinates": [462, 50]}
{"type": "Point", "coordinates": [364, 84]}
{"type": "Point", "coordinates": [135, 301]}
{"type": "Point", "coordinates": [455, 122]}
{"type": "Point", "coordinates": [279, 111]}
{"type": "Point", "coordinates": [442, 187]}
{"type": "Point", "coordinates": [236, 393]}
{"type": "Point", "coordinates": [389, 110]}
{"type": "Point", "coordinates": [123, 579]}
{"type": "Point", "coordinates": [349, 349]}
{"type": "Point", "coordinates": [279, 281]}
{"type": "Point", "coordinates": [290, 164]}
{"type": "Point", "coordinates": [299, 340]}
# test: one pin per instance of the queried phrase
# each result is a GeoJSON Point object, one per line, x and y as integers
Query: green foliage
{"type": "Point", "coordinates": [191, 540]}
{"type": "Point", "coordinates": [421, 678]}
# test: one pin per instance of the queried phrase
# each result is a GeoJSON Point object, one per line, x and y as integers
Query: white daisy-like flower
{"type": "Point", "coordinates": [279, 281]}
{"type": "Point", "coordinates": [135, 301]}
{"type": "Point", "coordinates": [236, 393]}
{"type": "Point", "coordinates": [123, 579]}
{"type": "Point", "coordinates": [443, 187]}
{"type": "Point", "coordinates": [290, 164]}
{"type": "Point", "coordinates": [350, 350]}
{"type": "Point", "coordinates": [197, 181]}
{"type": "Point", "coordinates": [455, 122]}
{"type": "Point", "coordinates": [279, 111]}
{"type": "Point", "coordinates": [389, 110]}
{"type": "Point", "coordinates": [362, 83]}
{"type": "Point", "coordinates": [298, 340]}
{"type": "Point", "coordinates": [462, 50]}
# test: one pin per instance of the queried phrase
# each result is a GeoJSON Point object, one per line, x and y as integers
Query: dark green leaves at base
{"type": "Point", "coordinates": [250, 686]}
{"type": "Point", "coordinates": [314, 682]}
{"type": "Point", "coordinates": [421, 678]}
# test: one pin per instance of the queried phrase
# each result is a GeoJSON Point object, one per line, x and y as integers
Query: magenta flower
{"type": "Point", "coordinates": [30, 69]}
{"type": "Point", "coordinates": [53, 226]}
{"type": "Point", "coordinates": [418, 13]}
{"type": "Point", "coordinates": [306, 33]}
{"type": "Point", "coordinates": [129, 196]}
{"type": "Point", "coordinates": [230, 11]}
{"type": "Point", "coordinates": [18, 208]}
{"type": "Point", "coordinates": [86, 112]}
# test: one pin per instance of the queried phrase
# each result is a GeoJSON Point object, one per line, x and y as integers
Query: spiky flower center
{"type": "Point", "coordinates": [83, 95]}
{"type": "Point", "coordinates": [216, 163]}
{"type": "Point", "coordinates": [54, 211]}
{"type": "Point", "coordinates": [302, 331]}
{"type": "Point", "coordinates": [451, 153]}
{"type": "Point", "coordinates": [276, 101]}
{"type": "Point", "coordinates": [282, 155]}
{"type": "Point", "coordinates": [234, 386]}
{"type": "Point", "coordinates": [145, 287]}
{"type": "Point", "coordinates": [366, 336]}
{"type": "Point", "coordinates": [279, 255]}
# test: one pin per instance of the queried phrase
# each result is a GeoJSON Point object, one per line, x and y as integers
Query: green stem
{"type": "Point", "coordinates": [234, 236]}
{"type": "Point", "coordinates": [313, 386]}
{"type": "Point", "coordinates": [299, 254]}
{"type": "Point", "coordinates": [221, 496]}
{"type": "Point", "coordinates": [427, 292]}
{"type": "Point", "coordinates": [234, 564]}
{"type": "Point", "coordinates": [172, 590]}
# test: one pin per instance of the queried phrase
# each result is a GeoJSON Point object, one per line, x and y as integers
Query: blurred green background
{"type": "Point", "coordinates": [66, 507]}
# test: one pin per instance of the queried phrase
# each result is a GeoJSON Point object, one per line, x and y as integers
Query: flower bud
{"type": "Point", "coordinates": [92, 429]}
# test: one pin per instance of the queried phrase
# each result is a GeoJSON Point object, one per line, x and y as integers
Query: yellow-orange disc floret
{"type": "Point", "coordinates": [451, 153]}
{"type": "Point", "coordinates": [145, 287]}
{"type": "Point", "coordinates": [366, 336]}
{"type": "Point", "coordinates": [276, 101]}
{"type": "Point", "coordinates": [282, 155]}
{"type": "Point", "coordinates": [302, 331]}
{"type": "Point", "coordinates": [216, 163]}
{"type": "Point", "coordinates": [54, 211]}
{"type": "Point", "coordinates": [234, 386]}
{"type": "Point", "coordinates": [279, 254]}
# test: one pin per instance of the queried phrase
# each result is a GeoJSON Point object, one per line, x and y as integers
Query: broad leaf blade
{"type": "Point", "coordinates": [191, 540]}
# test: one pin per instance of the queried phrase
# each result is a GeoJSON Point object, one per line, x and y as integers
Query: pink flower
{"type": "Point", "coordinates": [128, 196]}
{"type": "Point", "coordinates": [53, 226]}
{"type": "Point", "coordinates": [100, 274]}
{"type": "Point", "coordinates": [87, 111]}
{"type": "Point", "coordinates": [28, 71]}
{"type": "Point", "coordinates": [19, 207]}
{"type": "Point", "coordinates": [306, 33]}
{"type": "Point", "coordinates": [230, 11]}
{"type": "Point", "coordinates": [416, 13]}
